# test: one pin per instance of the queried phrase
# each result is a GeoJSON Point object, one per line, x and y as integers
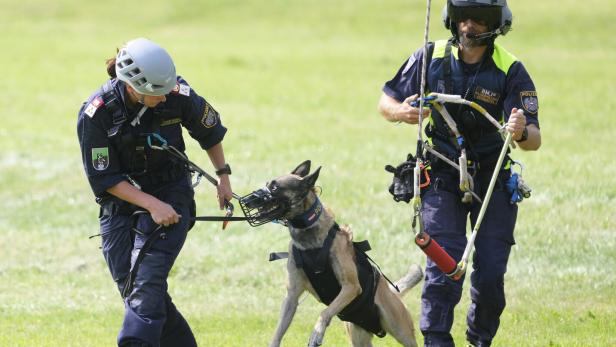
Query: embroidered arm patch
{"type": "Point", "coordinates": [529, 100]}
{"type": "Point", "coordinates": [100, 158]}
{"type": "Point", "coordinates": [210, 116]}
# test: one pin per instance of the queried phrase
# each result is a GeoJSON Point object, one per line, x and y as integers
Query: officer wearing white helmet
{"type": "Point", "coordinates": [143, 105]}
{"type": "Point", "coordinates": [472, 65]}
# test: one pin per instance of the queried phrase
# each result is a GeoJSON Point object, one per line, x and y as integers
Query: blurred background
{"type": "Point", "coordinates": [296, 80]}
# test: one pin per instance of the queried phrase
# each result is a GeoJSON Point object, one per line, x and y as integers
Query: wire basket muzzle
{"type": "Point", "coordinates": [260, 207]}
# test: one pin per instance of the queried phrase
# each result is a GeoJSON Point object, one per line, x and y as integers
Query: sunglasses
{"type": "Point", "coordinates": [485, 15]}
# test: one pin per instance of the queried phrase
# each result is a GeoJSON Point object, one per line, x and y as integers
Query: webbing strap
{"type": "Point", "coordinates": [130, 280]}
{"type": "Point", "coordinates": [447, 67]}
{"type": "Point", "coordinates": [322, 259]}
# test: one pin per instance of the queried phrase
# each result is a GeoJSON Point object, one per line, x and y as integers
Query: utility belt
{"type": "Point", "coordinates": [450, 182]}
{"type": "Point", "coordinates": [113, 206]}
{"type": "Point", "coordinates": [446, 177]}
{"type": "Point", "coordinates": [441, 175]}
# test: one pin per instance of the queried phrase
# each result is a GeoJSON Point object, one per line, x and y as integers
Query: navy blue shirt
{"type": "Point", "coordinates": [499, 83]}
{"type": "Point", "coordinates": [105, 165]}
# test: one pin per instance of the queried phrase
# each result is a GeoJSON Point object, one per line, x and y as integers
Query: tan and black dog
{"type": "Point", "coordinates": [324, 260]}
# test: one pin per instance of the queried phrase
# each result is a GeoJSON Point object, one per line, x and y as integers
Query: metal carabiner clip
{"type": "Point", "coordinates": [163, 142]}
{"type": "Point", "coordinates": [228, 213]}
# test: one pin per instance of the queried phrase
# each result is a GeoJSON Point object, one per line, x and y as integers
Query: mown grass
{"type": "Point", "coordinates": [296, 80]}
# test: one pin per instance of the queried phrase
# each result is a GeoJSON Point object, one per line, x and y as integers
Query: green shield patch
{"type": "Point", "coordinates": [100, 158]}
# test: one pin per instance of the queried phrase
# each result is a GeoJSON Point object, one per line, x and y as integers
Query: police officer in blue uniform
{"type": "Point", "coordinates": [120, 127]}
{"type": "Point", "coordinates": [472, 65]}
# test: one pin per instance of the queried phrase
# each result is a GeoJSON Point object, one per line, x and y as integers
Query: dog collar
{"type": "Point", "coordinates": [309, 217]}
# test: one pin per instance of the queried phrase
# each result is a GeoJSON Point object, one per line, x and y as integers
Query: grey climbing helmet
{"type": "Point", "coordinates": [495, 13]}
{"type": "Point", "coordinates": [146, 67]}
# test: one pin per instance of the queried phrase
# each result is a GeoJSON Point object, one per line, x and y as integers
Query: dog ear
{"type": "Point", "coordinates": [302, 169]}
{"type": "Point", "coordinates": [311, 179]}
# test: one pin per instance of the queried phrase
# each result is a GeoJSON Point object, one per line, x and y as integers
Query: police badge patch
{"type": "Point", "coordinates": [100, 158]}
{"type": "Point", "coordinates": [530, 103]}
{"type": "Point", "coordinates": [210, 116]}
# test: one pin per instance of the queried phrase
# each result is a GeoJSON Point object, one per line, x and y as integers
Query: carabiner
{"type": "Point", "coordinates": [426, 99]}
{"type": "Point", "coordinates": [161, 139]}
{"type": "Point", "coordinates": [228, 213]}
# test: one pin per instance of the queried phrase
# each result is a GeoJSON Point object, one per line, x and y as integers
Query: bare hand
{"type": "Point", "coordinates": [409, 114]}
{"type": "Point", "coordinates": [516, 123]}
{"type": "Point", "coordinates": [224, 191]}
{"type": "Point", "coordinates": [163, 214]}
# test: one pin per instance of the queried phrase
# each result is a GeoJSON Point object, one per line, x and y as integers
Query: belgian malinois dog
{"type": "Point", "coordinates": [361, 295]}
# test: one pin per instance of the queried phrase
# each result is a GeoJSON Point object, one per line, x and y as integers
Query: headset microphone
{"type": "Point", "coordinates": [483, 36]}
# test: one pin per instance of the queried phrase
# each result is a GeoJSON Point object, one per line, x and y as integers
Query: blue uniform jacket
{"type": "Point", "coordinates": [499, 83]}
{"type": "Point", "coordinates": [105, 158]}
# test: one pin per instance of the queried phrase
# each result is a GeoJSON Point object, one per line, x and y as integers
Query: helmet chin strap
{"type": "Point", "coordinates": [140, 99]}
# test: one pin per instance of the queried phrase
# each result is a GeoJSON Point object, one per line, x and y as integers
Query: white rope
{"type": "Point", "coordinates": [417, 220]}
{"type": "Point", "coordinates": [424, 68]}
{"type": "Point", "coordinates": [422, 87]}
{"type": "Point", "coordinates": [484, 205]}
{"type": "Point", "coordinates": [456, 166]}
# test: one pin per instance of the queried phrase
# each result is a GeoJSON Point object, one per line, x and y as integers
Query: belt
{"type": "Point", "coordinates": [115, 207]}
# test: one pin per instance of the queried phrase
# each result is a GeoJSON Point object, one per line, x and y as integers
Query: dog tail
{"type": "Point", "coordinates": [410, 280]}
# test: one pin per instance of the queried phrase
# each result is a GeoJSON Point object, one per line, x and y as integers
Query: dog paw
{"type": "Point", "coordinates": [316, 339]}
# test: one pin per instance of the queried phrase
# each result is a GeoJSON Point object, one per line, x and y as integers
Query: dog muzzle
{"type": "Point", "coordinates": [261, 207]}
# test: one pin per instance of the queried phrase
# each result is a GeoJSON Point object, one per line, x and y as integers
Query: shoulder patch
{"type": "Point", "coordinates": [210, 116]}
{"type": "Point", "coordinates": [94, 105]}
{"type": "Point", "coordinates": [529, 100]}
{"type": "Point", "coordinates": [181, 89]}
{"type": "Point", "coordinates": [184, 90]}
{"type": "Point", "coordinates": [100, 158]}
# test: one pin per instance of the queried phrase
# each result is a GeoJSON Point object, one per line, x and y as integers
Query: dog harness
{"type": "Point", "coordinates": [362, 311]}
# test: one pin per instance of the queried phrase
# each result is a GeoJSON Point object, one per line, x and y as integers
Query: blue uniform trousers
{"type": "Point", "coordinates": [150, 319]}
{"type": "Point", "coordinates": [445, 218]}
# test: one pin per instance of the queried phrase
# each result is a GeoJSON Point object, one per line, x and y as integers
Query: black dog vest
{"type": "Point", "coordinates": [362, 311]}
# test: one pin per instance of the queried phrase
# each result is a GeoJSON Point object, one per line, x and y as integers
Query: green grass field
{"type": "Point", "coordinates": [296, 80]}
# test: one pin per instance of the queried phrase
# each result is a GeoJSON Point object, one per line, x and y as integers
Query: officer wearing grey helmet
{"type": "Point", "coordinates": [144, 98]}
{"type": "Point", "coordinates": [473, 65]}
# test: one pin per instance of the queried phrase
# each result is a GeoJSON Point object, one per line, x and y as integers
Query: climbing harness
{"type": "Point", "coordinates": [437, 101]}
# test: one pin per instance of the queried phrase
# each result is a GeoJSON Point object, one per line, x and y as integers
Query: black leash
{"type": "Point", "coordinates": [159, 233]}
{"type": "Point", "coordinates": [218, 218]}
{"type": "Point", "coordinates": [130, 280]}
